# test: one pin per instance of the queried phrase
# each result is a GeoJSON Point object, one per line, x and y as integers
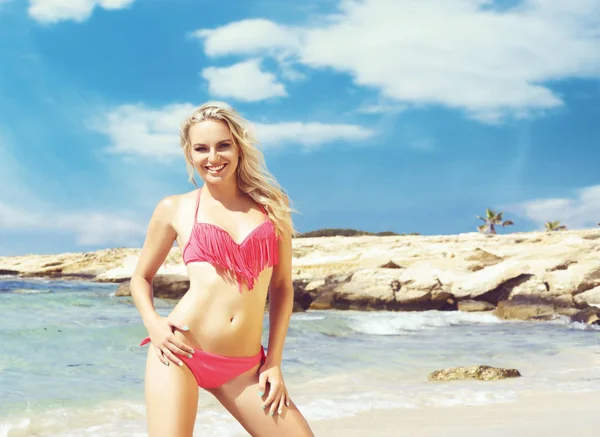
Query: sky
{"type": "Point", "coordinates": [378, 115]}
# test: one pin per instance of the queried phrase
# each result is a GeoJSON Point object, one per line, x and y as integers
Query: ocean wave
{"type": "Point", "coordinates": [307, 317]}
{"type": "Point", "coordinates": [350, 404]}
{"type": "Point", "coordinates": [403, 323]}
{"type": "Point", "coordinates": [115, 419]}
{"type": "Point", "coordinates": [30, 291]}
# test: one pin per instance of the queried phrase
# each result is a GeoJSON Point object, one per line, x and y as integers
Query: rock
{"type": "Point", "coordinates": [164, 286]}
{"type": "Point", "coordinates": [487, 280]}
{"type": "Point", "coordinates": [590, 297]}
{"type": "Point", "coordinates": [303, 296]}
{"type": "Point", "coordinates": [123, 289]}
{"type": "Point", "coordinates": [314, 285]}
{"type": "Point", "coordinates": [324, 301]}
{"type": "Point", "coordinates": [590, 315]}
{"type": "Point", "coordinates": [475, 305]}
{"type": "Point", "coordinates": [390, 265]}
{"type": "Point", "coordinates": [435, 271]}
{"type": "Point", "coordinates": [483, 256]}
{"type": "Point", "coordinates": [483, 373]}
{"type": "Point", "coordinates": [298, 308]}
{"type": "Point", "coordinates": [391, 289]}
{"type": "Point", "coordinates": [565, 311]}
{"type": "Point", "coordinates": [524, 310]}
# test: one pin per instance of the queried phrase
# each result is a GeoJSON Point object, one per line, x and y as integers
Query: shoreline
{"type": "Point", "coordinates": [546, 414]}
{"type": "Point", "coordinates": [525, 276]}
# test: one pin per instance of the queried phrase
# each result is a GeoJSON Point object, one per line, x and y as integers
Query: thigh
{"type": "Point", "coordinates": [240, 397]}
{"type": "Point", "coordinates": [171, 398]}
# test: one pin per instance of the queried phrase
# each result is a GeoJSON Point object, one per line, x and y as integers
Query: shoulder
{"type": "Point", "coordinates": [167, 208]}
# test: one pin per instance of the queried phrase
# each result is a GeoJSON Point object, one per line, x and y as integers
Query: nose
{"type": "Point", "coordinates": [212, 155]}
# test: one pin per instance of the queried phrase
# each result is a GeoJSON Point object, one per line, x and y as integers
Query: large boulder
{"type": "Point", "coordinates": [483, 281]}
{"type": "Point", "coordinates": [164, 286]}
{"type": "Point", "coordinates": [483, 373]}
{"type": "Point", "coordinates": [524, 310]}
{"type": "Point", "coordinates": [475, 306]}
{"type": "Point", "coordinates": [392, 289]}
{"type": "Point", "coordinates": [589, 297]}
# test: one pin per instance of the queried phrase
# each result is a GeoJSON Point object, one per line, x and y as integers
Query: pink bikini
{"type": "Point", "coordinates": [245, 260]}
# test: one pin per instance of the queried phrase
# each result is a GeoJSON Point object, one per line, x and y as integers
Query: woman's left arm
{"type": "Point", "coordinates": [281, 303]}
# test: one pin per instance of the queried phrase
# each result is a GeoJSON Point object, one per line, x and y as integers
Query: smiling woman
{"type": "Point", "coordinates": [235, 233]}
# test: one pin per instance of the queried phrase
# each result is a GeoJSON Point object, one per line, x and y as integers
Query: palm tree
{"type": "Point", "coordinates": [554, 226]}
{"type": "Point", "coordinates": [490, 220]}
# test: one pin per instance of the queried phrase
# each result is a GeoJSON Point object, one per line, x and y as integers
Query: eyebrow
{"type": "Point", "coordinates": [220, 142]}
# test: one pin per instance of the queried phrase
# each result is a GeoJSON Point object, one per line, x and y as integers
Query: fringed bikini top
{"type": "Point", "coordinates": [213, 244]}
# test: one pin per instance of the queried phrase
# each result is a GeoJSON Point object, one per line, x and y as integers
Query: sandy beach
{"type": "Point", "coordinates": [534, 415]}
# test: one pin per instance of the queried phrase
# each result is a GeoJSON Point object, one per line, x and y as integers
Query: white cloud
{"type": "Point", "coordinates": [382, 108]}
{"type": "Point", "coordinates": [243, 81]}
{"type": "Point", "coordinates": [154, 133]}
{"type": "Point", "coordinates": [463, 54]}
{"type": "Point", "coordinates": [580, 211]}
{"type": "Point", "coordinates": [89, 228]}
{"type": "Point", "coordinates": [249, 37]}
{"type": "Point", "coordinates": [53, 11]}
{"type": "Point", "coordinates": [137, 130]}
{"type": "Point", "coordinates": [309, 135]}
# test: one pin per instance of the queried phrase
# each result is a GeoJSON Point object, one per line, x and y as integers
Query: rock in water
{"type": "Point", "coordinates": [475, 305]}
{"type": "Point", "coordinates": [483, 373]}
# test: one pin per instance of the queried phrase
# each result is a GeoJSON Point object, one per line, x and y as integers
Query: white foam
{"type": "Point", "coordinates": [399, 323]}
{"type": "Point", "coordinates": [350, 404]}
{"type": "Point", "coordinates": [110, 420]}
{"type": "Point", "coordinates": [29, 291]}
{"type": "Point", "coordinates": [305, 317]}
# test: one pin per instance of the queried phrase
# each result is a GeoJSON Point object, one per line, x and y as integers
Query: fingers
{"type": "Point", "coordinates": [161, 356]}
{"type": "Point", "coordinates": [275, 392]}
{"type": "Point", "coordinates": [178, 347]}
{"type": "Point", "coordinates": [262, 384]}
{"type": "Point", "coordinates": [171, 357]}
{"type": "Point", "coordinates": [281, 402]}
{"type": "Point", "coordinates": [178, 326]}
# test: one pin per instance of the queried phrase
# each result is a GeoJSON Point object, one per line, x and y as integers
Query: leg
{"type": "Point", "coordinates": [240, 397]}
{"type": "Point", "coordinates": [171, 398]}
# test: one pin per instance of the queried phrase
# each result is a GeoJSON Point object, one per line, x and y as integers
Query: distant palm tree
{"type": "Point", "coordinates": [492, 219]}
{"type": "Point", "coordinates": [554, 226]}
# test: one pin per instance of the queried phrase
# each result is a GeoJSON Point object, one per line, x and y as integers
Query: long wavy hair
{"type": "Point", "coordinates": [253, 177]}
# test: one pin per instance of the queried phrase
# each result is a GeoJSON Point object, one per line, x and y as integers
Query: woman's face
{"type": "Point", "coordinates": [213, 152]}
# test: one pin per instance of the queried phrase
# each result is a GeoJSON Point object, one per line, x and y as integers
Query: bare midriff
{"type": "Point", "coordinates": [222, 320]}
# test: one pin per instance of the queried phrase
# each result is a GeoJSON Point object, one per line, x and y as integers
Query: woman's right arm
{"type": "Point", "coordinates": [159, 241]}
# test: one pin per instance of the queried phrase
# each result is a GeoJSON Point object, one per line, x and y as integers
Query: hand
{"type": "Point", "coordinates": [278, 396]}
{"type": "Point", "coordinates": [166, 344]}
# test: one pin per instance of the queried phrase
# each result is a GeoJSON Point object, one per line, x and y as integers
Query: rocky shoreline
{"type": "Point", "coordinates": [527, 276]}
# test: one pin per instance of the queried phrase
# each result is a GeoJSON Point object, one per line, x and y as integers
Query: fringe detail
{"type": "Point", "coordinates": [259, 250]}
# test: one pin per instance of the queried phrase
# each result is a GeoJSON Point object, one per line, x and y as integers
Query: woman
{"type": "Point", "coordinates": [235, 232]}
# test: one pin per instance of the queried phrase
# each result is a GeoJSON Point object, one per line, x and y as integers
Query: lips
{"type": "Point", "coordinates": [214, 169]}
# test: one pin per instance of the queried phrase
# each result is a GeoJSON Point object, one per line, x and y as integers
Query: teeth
{"type": "Point", "coordinates": [216, 168]}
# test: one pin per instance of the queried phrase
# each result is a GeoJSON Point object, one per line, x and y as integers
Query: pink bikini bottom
{"type": "Point", "coordinates": [212, 370]}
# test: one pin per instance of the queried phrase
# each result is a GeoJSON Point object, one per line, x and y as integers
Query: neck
{"type": "Point", "coordinates": [224, 193]}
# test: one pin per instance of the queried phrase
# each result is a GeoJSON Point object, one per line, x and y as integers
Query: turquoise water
{"type": "Point", "coordinates": [70, 364]}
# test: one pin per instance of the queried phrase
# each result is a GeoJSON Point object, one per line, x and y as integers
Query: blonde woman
{"type": "Point", "coordinates": [235, 233]}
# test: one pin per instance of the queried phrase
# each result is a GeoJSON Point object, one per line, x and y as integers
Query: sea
{"type": "Point", "coordinates": [70, 364]}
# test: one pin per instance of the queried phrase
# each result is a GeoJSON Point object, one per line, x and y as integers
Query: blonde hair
{"type": "Point", "coordinates": [253, 177]}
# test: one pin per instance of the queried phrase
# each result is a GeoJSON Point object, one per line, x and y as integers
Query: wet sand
{"type": "Point", "coordinates": [533, 415]}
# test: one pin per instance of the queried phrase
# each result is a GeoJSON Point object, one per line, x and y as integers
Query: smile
{"type": "Point", "coordinates": [215, 168]}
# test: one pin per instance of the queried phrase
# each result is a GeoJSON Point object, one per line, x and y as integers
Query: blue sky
{"type": "Point", "coordinates": [404, 115]}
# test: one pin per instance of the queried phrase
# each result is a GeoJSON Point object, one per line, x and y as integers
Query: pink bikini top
{"type": "Point", "coordinates": [213, 244]}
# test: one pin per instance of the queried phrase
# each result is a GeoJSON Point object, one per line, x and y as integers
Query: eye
{"type": "Point", "coordinates": [224, 145]}
{"type": "Point", "coordinates": [200, 149]}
